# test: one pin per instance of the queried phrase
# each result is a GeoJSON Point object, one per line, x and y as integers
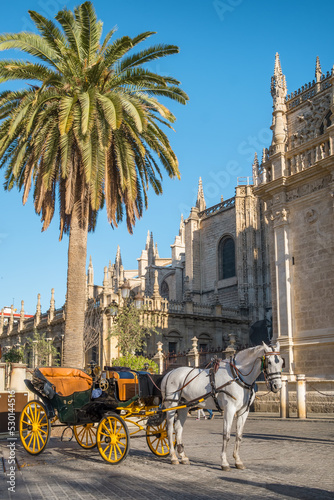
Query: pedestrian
{"type": "Point", "coordinates": [200, 413]}
{"type": "Point", "coordinates": [210, 412]}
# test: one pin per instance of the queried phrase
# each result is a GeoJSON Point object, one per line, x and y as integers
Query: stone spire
{"type": "Point", "coordinates": [181, 230]}
{"type": "Point", "coordinates": [255, 170]}
{"type": "Point", "coordinates": [147, 240]}
{"type": "Point", "coordinates": [22, 315]}
{"type": "Point", "coordinates": [151, 251]}
{"type": "Point", "coordinates": [318, 72]}
{"type": "Point", "coordinates": [278, 92]}
{"type": "Point", "coordinates": [156, 292]}
{"type": "Point", "coordinates": [200, 202]}
{"type": "Point", "coordinates": [52, 305]}
{"type": "Point", "coordinates": [264, 155]}
{"type": "Point", "coordinates": [90, 277]}
{"type": "Point", "coordinates": [278, 84]}
{"type": "Point", "coordinates": [118, 259]}
{"type": "Point", "coordinates": [38, 307]}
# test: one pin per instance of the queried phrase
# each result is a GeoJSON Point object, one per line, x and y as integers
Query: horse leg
{"type": "Point", "coordinates": [182, 415]}
{"type": "Point", "coordinates": [228, 419]}
{"type": "Point", "coordinates": [241, 419]}
{"type": "Point", "coordinates": [170, 424]}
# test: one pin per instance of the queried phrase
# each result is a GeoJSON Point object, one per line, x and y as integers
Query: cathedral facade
{"type": "Point", "coordinates": [258, 266]}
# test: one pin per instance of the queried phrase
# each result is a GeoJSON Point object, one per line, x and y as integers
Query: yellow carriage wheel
{"type": "Point", "coordinates": [85, 435]}
{"type": "Point", "coordinates": [34, 427]}
{"type": "Point", "coordinates": [113, 439]}
{"type": "Point", "coordinates": [157, 439]}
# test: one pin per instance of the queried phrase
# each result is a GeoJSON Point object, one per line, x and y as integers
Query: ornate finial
{"type": "Point", "coordinates": [200, 202]}
{"type": "Point", "coordinates": [278, 83]}
{"type": "Point", "coordinates": [318, 72]}
{"type": "Point", "coordinates": [255, 169]}
{"type": "Point", "coordinates": [39, 300]}
{"type": "Point", "coordinates": [90, 273]}
{"type": "Point", "coordinates": [264, 155]}
{"type": "Point", "coordinates": [118, 259]}
{"type": "Point", "coordinates": [147, 240]}
{"type": "Point", "coordinates": [156, 292]}
{"type": "Point", "coordinates": [256, 161]}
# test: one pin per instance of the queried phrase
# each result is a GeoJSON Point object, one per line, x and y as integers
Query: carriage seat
{"type": "Point", "coordinates": [127, 382]}
{"type": "Point", "coordinates": [67, 380]}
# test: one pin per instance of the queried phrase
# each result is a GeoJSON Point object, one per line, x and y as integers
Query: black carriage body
{"type": "Point", "coordinates": [78, 407]}
{"type": "Point", "coordinates": [53, 386]}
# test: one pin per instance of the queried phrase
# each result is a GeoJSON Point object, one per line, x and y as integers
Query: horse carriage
{"type": "Point", "coordinates": [120, 403]}
{"type": "Point", "coordinates": [103, 412]}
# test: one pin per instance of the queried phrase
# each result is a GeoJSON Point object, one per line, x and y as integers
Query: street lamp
{"type": "Point", "coordinates": [139, 300]}
{"type": "Point", "coordinates": [112, 309]}
{"type": "Point", "coordinates": [125, 290]}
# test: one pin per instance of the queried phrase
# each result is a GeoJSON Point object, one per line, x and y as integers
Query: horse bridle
{"type": "Point", "coordinates": [269, 377]}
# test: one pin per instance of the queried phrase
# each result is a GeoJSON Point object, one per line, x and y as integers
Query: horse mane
{"type": "Point", "coordinates": [243, 355]}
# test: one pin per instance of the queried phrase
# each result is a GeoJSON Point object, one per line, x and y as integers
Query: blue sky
{"type": "Point", "coordinates": [226, 60]}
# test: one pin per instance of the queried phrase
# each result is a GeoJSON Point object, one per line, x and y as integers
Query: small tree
{"type": "Point", "coordinates": [14, 355]}
{"type": "Point", "coordinates": [43, 350]}
{"type": "Point", "coordinates": [129, 330]}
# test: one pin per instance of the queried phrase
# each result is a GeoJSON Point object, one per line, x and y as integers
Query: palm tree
{"type": "Point", "coordinates": [86, 130]}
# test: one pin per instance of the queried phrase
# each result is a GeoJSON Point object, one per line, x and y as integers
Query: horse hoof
{"type": "Point", "coordinates": [240, 466]}
{"type": "Point", "coordinates": [185, 461]}
{"type": "Point", "coordinates": [226, 468]}
{"type": "Point", "coordinates": [175, 462]}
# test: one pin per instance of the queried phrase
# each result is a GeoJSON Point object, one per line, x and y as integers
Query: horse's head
{"type": "Point", "coordinates": [272, 367]}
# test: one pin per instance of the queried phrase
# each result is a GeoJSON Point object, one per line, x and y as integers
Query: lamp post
{"type": "Point", "coordinates": [125, 290]}
{"type": "Point", "coordinates": [112, 309]}
{"type": "Point", "coordinates": [139, 300]}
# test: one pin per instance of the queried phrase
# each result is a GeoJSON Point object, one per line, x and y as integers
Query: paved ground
{"type": "Point", "coordinates": [285, 459]}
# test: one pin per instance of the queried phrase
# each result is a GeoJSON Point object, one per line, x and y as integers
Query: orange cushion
{"type": "Point", "coordinates": [67, 380]}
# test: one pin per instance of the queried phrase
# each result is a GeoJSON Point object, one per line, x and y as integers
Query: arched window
{"type": "Point", "coordinates": [226, 258]}
{"type": "Point", "coordinates": [164, 292]}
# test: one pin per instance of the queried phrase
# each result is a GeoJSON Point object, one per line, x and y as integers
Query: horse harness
{"type": "Point", "coordinates": [237, 377]}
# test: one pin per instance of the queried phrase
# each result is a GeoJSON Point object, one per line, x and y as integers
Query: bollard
{"type": "Point", "coordinates": [2, 376]}
{"type": "Point", "coordinates": [284, 404]}
{"type": "Point", "coordinates": [17, 376]}
{"type": "Point", "coordinates": [301, 396]}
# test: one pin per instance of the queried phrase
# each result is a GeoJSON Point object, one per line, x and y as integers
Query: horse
{"type": "Point", "coordinates": [228, 386]}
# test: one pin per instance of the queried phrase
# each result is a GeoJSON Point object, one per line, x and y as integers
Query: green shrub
{"type": "Point", "coordinates": [14, 355]}
{"type": "Point", "coordinates": [136, 363]}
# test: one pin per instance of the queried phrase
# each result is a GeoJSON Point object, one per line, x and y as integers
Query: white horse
{"type": "Point", "coordinates": [228, 386]}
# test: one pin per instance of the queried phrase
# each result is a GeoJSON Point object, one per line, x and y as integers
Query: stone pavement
{"type": "Point", "coordinates": [285, 459]}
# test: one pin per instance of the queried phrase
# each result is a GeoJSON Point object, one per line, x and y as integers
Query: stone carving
{"type": "Point", "coordinates": [311, 215]}
{"type": "Point", "coordinates": [308, 188]}
{"type": "Point", "coordinates": [280, 216]}
{"type": "Point", "coordinates": [315, 120]}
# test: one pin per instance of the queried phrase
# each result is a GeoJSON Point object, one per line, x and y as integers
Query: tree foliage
{"type": "Point", "coordinates": [14, 355]}
{"type": "Point", "coordinates": [87, 130]}
{"type": "Point", "coordinates": [136, 363]}
{"type": "Point", "coordinates": [44, 350]}
{"type": "Point", "coordinates": [89, 124]}
{"type": "Point", "coordinates": [130, 331]}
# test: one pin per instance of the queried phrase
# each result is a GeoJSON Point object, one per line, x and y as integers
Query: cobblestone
{"type": "Point", "coordinates": [285, 459]}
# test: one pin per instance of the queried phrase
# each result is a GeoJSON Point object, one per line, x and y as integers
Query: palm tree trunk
{"type": "Point", "coordinates": [76, 294]}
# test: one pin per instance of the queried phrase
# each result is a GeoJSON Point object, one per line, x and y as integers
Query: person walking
{"type": "Point", "coordinates": [200, 413]}
{"type": "Point", "coordinates": [210, 412]}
